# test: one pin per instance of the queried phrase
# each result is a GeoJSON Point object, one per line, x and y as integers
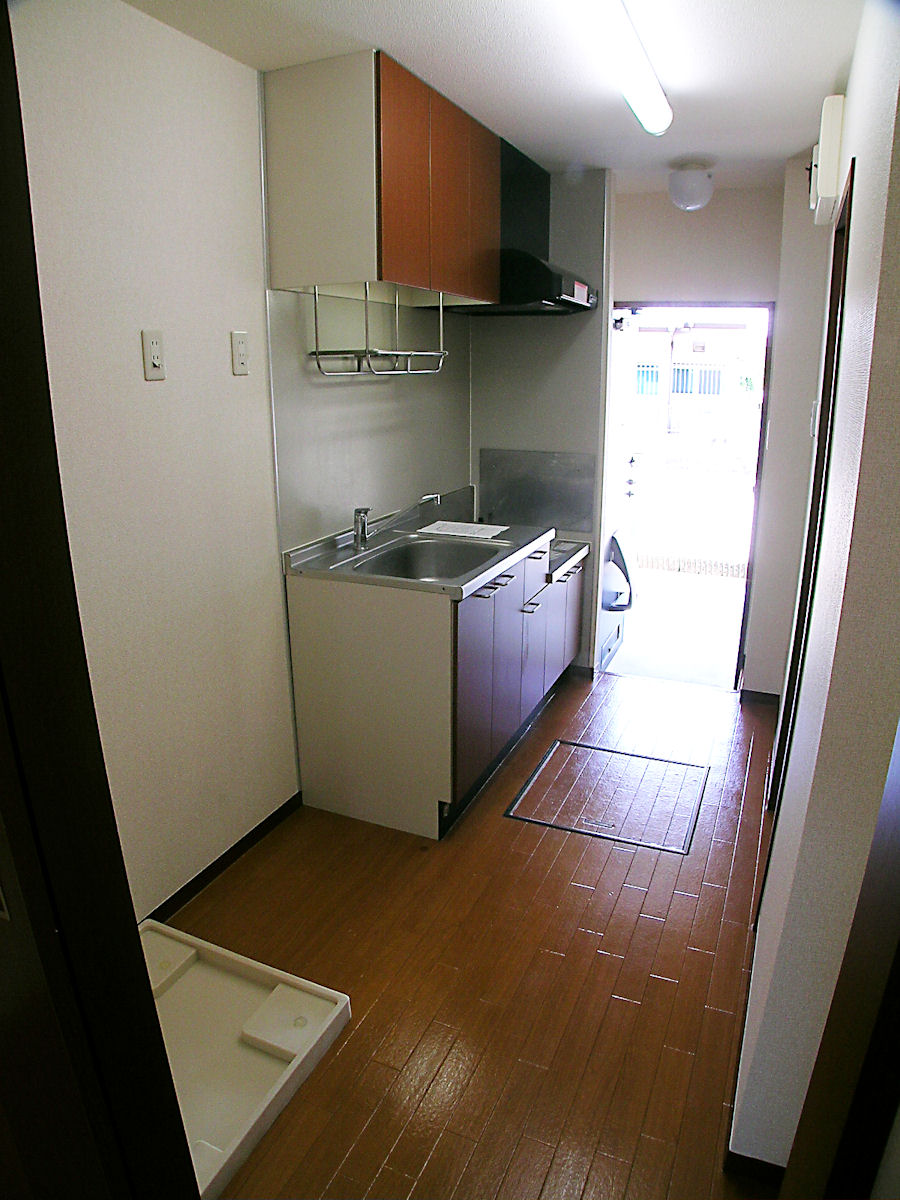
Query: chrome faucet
{"type": "Point", "coordinates": [360, 528]}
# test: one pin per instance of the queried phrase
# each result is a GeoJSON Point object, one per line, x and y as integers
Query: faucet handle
{"type": "Point", "coordinates": [361, 511]}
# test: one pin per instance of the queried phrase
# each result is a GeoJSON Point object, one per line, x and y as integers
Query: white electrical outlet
{"type": "Point", "coordinates": [154, 358]}
{"type": "Point", "coordinates": [240, 357]}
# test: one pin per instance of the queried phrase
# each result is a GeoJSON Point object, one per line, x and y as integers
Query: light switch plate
{"type": "Point", "coordinates": [154, 358]}
{"type": "Point", "coordinates": [240, 356]}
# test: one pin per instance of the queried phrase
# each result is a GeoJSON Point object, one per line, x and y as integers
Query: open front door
{"type": "Point", "coordinates": [685, 416]}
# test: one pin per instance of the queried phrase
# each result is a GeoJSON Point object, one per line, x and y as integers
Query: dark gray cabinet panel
{"type": "Point", "coordinates": [536, 568]}
{"type": "Point", "coordinates": [514, 639]}
{"type": "Point", "coordinates": [574, 596]}
{"type": "Point", "coordinates": [474, 688]}
{"type": "Point", "coordinates": [534, 630]}
{"type": "Point", "coordinates": [554, 661]}
{"type": "Point", "coordinates": [507, 659]}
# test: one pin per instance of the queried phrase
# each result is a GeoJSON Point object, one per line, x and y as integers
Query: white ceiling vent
{"type": "Point", "coordinates": [825, 182]}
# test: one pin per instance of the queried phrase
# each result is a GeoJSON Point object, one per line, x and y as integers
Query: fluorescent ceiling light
{"type": "Point", "coordinates": [635, 76]}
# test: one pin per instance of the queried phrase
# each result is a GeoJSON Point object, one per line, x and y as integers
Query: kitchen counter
{"type": "Point", "coordinates": [564, 556]}
{"type": "Point", "coordinates": [335, 557]}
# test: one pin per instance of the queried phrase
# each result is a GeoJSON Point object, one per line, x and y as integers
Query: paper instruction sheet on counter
{"type": "Point", "coordinates": [462, 529]}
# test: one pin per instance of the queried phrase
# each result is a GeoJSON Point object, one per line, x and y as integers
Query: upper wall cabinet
{"type": "Point", "coordinates": [371, 174]}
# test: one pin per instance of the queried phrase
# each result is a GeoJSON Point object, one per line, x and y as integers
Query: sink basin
{"type": "Point", "coordinates": [428, 558]}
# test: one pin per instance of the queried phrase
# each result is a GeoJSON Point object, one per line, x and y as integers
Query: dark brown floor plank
{"type": "Point", "coordinates": [527, 1171]}
{"type": "Point", "coordinates": [690, 1001]}
{"type": "Point", "coordinates": [551, 1107]}
{"type": "Point", "coordinates": [491, 1158]}
{"type": "Point", "coordinates": [649, 1178]}
{"type": "Point", "coordinates": [535, 1012]}
{"type": "Point", "coordinates": [607, 1179]}
{"type": "Point", "coordinates": [549, 1028]}
{"type": "Point", "coordinates": [639, 957]}
{"type": "Point", "coordinates": [621, 1130]}
{"type": "Point", "coordinates": [575, 1150]}
{"type": "Point", "coordinates": [695, 1162]}
{"type": "Point", "coordinates": [665, 1108]}
{"type": "Point", "coordinates": [444, 1168]}
{"type": "Point", "coordinates": [397, 1105]}
{"type": "Point", "coordinates": [675, 936]}
{"type": "Point", "coordinates": [389, 1185]}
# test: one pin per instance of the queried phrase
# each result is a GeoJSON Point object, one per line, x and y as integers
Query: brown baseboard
{"type": "Point", "coordinates": [195, 886]}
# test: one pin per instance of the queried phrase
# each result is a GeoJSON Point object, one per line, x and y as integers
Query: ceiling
{"type": "Point", "coordinates": [745, 78]}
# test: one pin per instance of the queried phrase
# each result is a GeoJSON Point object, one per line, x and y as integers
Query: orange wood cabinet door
{"type": "Point", "coordinates": [450, 256]}
{"type": "Point", "coordinates": [484, 213]}
{"type": "Point", "coordinates": [404, 184]}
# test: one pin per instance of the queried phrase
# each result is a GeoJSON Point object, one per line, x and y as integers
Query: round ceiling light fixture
{"type": "Point", "coordinates": [690, 187]}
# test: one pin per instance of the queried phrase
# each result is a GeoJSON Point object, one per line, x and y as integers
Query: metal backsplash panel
{"type": "Point", "coordinates": [537, 487]}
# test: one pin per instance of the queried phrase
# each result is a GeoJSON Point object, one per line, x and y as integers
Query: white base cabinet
{"type": "Point", "coordinates": [373, 688]}
{"type": "Point", "coordinates": [405, 699]}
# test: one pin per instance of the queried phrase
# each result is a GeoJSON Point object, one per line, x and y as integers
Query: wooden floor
{"type": "Point", "coordinates": [535, 1013]}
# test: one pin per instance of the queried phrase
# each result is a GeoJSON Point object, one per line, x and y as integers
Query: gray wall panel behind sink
{"type": "Point", "coordinates": [537, 487]}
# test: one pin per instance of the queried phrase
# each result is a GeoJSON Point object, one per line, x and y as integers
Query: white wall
{"type": "Point", "coordinates": [143, 157]}
{"type": "Point", "coordinates": [757, 246]}
{"type": "Point", "coordinates": [796, 351]}
{"type": "Point", "coordinates": [537, 381]}
{"type": "Point", "coordinates": [728, 251]}
{"type": "Point", "coordinates": [349, 442]}
{"type": "Point", "coordinates": [850, 695]}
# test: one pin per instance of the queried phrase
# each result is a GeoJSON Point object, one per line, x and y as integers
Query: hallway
{"type": "Point", "coordinates": [536, 1013]}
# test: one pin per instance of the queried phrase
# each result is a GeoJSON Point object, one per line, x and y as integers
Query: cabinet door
{"type": "Point", "coordinates": [554, 660]}
{"type": "Point", "coordinates": [508, 601]}
{"type": "Point", "coordinates": [450, 255]}
{"type": "Point", "coordinates": [574, 595]}
{"type": "Point", "coordinates": [534, 627]}
{"type": "Point", "coordinates": [484, 213]}
{"type": "Point", "coordinates": [474, 688]}
{"type": "Point", "coordinates": [536, 567]}
{"type": "Point", "coordinates": [404, 185]}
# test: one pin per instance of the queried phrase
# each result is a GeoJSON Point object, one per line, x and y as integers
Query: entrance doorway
{"type": "Point", "coordinates": [683, 452]}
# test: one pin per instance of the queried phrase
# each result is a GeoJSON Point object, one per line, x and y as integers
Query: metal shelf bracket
{"type": "Point", "coordinates": [400, 362]}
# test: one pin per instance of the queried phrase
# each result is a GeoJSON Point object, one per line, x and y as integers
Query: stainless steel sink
{"type": "Point", "coordinates": [430, 559]}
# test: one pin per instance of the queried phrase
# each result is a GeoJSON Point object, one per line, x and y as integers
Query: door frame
{"type": "Point", "coordinates": [854, 1090]}
{"type": "Point", "coordinates": [87, 1101]}
{"type": "Point", "coordinates": [760, 451]}
{"type": "Point", "coordinates": [787, 714]}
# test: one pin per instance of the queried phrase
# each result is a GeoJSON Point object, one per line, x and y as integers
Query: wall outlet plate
{"type": "Point", "coordinates": [154, 358]}
{"type": "Point", "coordinates": [240, 354]}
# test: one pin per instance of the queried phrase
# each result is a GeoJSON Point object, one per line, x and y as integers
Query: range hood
{"type": "Point", "coordinates": [529, 284]}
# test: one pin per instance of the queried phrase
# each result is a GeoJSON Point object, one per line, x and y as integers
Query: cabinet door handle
{"type": "Point", "coordinates": [483, 594]}
{"type": "Point", "coordinates": [531, 607]}
{"type": "Point", "coordinates": [539, 554]}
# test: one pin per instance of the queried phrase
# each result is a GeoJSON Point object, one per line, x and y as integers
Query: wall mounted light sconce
{"type": "Point", "coordinates": [690, 187]}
